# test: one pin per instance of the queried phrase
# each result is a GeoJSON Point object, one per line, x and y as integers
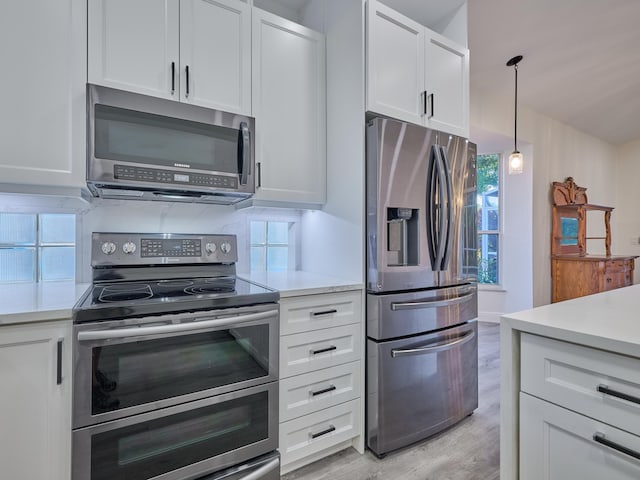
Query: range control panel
{"type": "Point", "coordinates": [161, 248]}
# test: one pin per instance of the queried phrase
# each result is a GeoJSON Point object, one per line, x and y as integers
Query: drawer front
{"type": "Point", "coordinates": [558, 444]}
{"type": "Point", "coordinates": [320, 430]}
{"type": "Point", "coordinates": [309, 351]}
{"type": "Point", "coordinates": [618, 266]}
{"type": "Point", "coordinates": [571, 376]}
{"type": "Point", "coordinates": [315, 312]}
{"type": "Point", "coordinates": [308, 393]}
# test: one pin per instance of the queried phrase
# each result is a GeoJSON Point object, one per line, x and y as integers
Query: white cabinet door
{"type": "Point", "coordinates": [215, 46]}
{"type": "Point", "coordinates": [134, 46]}
{"type": "Point", "coordinates": [35, 410]}
{"type": "Point", "coordinates": [447, 85]}
{"type": "Point", "coordinates": [395, 64]}
{"type": "Point", "coordinates": [289, 104]}
{"type": "Point", "coordinates": [42, 119]}
{"type": "Point", "coordinates": [558, 444]}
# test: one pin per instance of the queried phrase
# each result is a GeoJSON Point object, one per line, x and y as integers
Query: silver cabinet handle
{"type": "Point", "coordinates": [173, 328]}
{"type": "Point", "coordinates": [600, 438]}
{"type": "Point", "coordinates": [430, 303]}
{"type": "Point", "coordinates": [263, 470]}
{"type": "Point", "coordinates": [436, 347]}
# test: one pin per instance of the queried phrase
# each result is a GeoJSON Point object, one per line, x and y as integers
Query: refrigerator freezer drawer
{"type": "Point", "coordinates": [418, 386]}
{"type": "Point", "coordinates": [401, 314]}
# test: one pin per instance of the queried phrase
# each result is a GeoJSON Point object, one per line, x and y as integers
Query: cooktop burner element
{"type": "Point", "coordinates": [127, 282]}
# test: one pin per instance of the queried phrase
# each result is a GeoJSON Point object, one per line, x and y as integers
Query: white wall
{"type": "Point", "coordinates": [625, 219]}
{"type": "Point", "coordinates": [333, 238]}
{"type": "Point", "coordinates": [558, 151]}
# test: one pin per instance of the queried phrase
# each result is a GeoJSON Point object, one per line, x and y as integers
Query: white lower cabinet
{"type": "Point", "coordinates": [579, 412]}
{"type": "Point", "coordinates": [558, 444]}
{"type": "Point", "coordinates": [321, 371]}
{"type": "Point", "coordinates": [35, 403]}
{"type": "Point", "coordinates": [315, 432]}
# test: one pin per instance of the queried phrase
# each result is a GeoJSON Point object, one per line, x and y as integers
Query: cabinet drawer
{"type": "Point", "coordinates": [559, 444]}
{"type": "Point", "coordinates": [570, 375]}
{"type": "Point", "coordinates": [314, 312]}
{"type": "Point", "coordinates": [320, 430]}
{"type": "Point", "coordinates": [304, 394]}
{"type": "Point", "coordinates": [305, 352]}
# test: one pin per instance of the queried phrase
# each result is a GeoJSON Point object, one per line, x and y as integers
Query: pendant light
{"type": "Point", "coordinates": [516, 160]}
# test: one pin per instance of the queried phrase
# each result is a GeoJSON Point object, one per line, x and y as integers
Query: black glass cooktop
{"type": "Point", "coordinates": [126, 299]}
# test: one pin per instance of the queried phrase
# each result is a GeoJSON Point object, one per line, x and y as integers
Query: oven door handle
{"type": "Point", "coordinates": [436, 347]}
{"type": "Point", "coordinates": [116, 333]}
{"type": "Point", "coordinates": [263, 470]}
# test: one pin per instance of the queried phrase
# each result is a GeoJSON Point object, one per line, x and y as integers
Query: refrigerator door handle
{"type": "Point", "coordinates": [434, 348]}
{"type": "Point", "coordinates": [430, 207]}
{"type": "Point", "coordinates": [442, 208]}
{"type": "Point", "coordinates": [448, 208]}
{"type": "Point", "coordinates": [395, 306]}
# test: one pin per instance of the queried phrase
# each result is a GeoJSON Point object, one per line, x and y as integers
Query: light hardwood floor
{"type": "Point", "coordinates": [466, 451]}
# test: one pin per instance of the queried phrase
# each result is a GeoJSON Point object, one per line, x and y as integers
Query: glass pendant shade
{"type": "Point", "coordinates": [516, 163]}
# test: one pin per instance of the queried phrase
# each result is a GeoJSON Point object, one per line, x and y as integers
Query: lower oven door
{"type": "Point", "coordinates": [127, 367]}
{"type": "Point", "coordinates": [181, 442]}
{"type": "Point", "coordinates": [418, 386]}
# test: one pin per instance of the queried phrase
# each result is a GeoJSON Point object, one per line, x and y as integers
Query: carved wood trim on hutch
{"type": "Point", "coordinates": [575, 273]}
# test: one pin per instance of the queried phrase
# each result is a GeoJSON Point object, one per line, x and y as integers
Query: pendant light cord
{"type": "Point", "coordinates": [515, 113]}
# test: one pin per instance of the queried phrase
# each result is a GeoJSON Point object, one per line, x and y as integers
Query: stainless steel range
{"type": "Point", "coordinates": [175, 363]}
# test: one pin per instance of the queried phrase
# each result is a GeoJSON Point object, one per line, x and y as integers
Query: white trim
{"type": "Point", "coordinates": [491, 317]}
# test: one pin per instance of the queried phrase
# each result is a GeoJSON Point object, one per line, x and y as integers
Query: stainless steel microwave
{"type": "Point", "coordinates": [146, 148]}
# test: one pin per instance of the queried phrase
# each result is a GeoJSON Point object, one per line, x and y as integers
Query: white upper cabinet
{"type": "Point", "coordinates": [42, 119]}
{"type": "Point", "coordinates": [195, 51]}
{"type": "Point", "coordinates": [395, 64]}
{"type": "Point", "coordinates": [415, 74]}
{"type": "Point", "coordinates": [289, 104]}
{"type": "Point", "coordinates": [215, 45]}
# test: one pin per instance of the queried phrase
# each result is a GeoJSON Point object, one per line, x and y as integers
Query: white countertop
{"type": "Point", "coordinates": [609, 320]}
{"type": "Point", "coordinates": [295, 283]}
{"type": "Point", "coordinates": [36, 302]}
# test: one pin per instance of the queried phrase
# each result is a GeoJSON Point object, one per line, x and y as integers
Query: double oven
{"type": "Point", "coordinates": [175, 363]}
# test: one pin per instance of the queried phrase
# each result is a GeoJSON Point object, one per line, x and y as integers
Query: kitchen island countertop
{"type": "Point", "coordinates": [295, 283]}
{"type": "Point", "coordinates": [38, 302]}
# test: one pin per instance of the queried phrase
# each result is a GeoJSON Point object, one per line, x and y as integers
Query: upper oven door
{"type": "Point", "coordinates": [140, 141]}
{"type": "Point", "coordinates": [126, 367]}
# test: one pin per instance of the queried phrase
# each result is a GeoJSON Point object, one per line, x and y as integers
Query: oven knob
{"type": "Point", "coordinates": [225, 247]}
{"type": "Point", "coordinates": [108, 248]}
{"type": "Point", "coordinates": [129, 248]}
{"type": "Point", "coordinates": [210, 248]}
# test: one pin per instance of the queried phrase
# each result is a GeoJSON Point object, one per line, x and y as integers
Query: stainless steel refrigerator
{"type": "Point", "coordinates": [422, 344]}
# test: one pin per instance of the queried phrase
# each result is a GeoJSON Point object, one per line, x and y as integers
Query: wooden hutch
{"type": "Point", "coordinates": [575, 273]}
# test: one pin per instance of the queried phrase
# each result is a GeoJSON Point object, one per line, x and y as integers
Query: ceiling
{"type": "Point", "coordinates": [581, 61]}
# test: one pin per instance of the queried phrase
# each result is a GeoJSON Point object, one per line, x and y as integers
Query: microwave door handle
{"type": "Point", "coordinates": [118, 333]}
{"type": "Point", "coordinates": [244, 151]}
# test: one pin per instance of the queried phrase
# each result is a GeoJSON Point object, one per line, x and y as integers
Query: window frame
{"type": "Point", "coordinates": [292, 244]}
{"type": "Point", "coordinates": [498, 285]}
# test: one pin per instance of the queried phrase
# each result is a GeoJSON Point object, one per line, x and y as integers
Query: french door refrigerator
{"type": "Point", "coordinates": [422, 345]}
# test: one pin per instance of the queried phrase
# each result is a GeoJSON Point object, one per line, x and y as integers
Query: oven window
{"type": "Point", "coordinates": [137, 137]}
{"type": "Point", "coordinates": [158, 446]}
{"type": "Point", "coordinates": [136, 373]}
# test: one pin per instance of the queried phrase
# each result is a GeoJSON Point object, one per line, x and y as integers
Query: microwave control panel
{"type": "Point", "coordinates": [155, 175]}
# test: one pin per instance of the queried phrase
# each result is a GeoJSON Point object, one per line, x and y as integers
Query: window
{"type": "Point", "coordinates": [37, 247]}
{"type": "Point", "coordinates": [488, 204]}
{"type": "Point", "coordinates": [272, 246]}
